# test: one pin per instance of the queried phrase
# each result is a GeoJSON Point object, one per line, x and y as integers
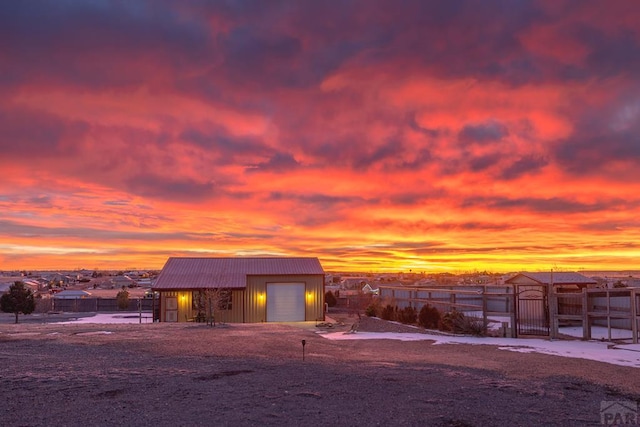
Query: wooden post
{"type": "Point", "coordinates": [485, 322]}
{"type": "Point", "coordinates": [634, 314]}
{"type": "Point", "coordinates": [514, 312]}
{"type": "Point", "coordinates": [586, 325]}
{"type": "Point", "coordinates": [553, 313]}
{"type": "Point", "coordinates": [609, 314]}
{"type": "Point", "coordinates": [550, 305]}
{"type": "Point", "coordinates": [507, 306]}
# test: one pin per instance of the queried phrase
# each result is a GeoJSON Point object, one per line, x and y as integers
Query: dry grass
{"type": "Point", "coordinates": [253, 374]}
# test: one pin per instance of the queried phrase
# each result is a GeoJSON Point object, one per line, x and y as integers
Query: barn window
{"type": "Point", "coordinates": [219, 299]}
{"type": "Point", "coordinates": [225, 301]}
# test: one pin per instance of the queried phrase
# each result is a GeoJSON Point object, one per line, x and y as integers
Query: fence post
{"type": "Point", "coordinates": [514, 312]}
{"type": "Point", "coordinates": [609, 314]}
{"type": "Point", "coordinates": [634, 314]}
{"type": "Point", "coordinates": [485, 322]}
{"type": "Point", "coordinates": [553, 313]}
{"type": "Point", "coordinates": [586, 324]}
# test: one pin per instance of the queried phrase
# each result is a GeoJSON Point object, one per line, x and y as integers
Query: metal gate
{"type": "Point", "coordinates": [532, 310]}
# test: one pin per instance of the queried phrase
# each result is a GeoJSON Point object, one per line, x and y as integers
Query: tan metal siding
{"type": "Point", "coordinates": [314, 298]}
{"type": "Point", "coordinates": [255, 300]}
{"type": "Point", "coordinates": [185, 305]}
{"type": "Point", "coordinates": [256, 291]}
{"type": "Point", "coordinates": [234, 315]}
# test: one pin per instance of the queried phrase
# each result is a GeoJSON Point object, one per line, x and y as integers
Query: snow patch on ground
{"type": "Point", "coordinates": [601, 351]}
{"type": "Point", "coordinates": [590, 350]}
{"type": "Point", "coordinates": [110, 318]}
{"type": "Point", "coordinates": [95, 333]}
{"type": "Point", "coordinates": [23, 334]}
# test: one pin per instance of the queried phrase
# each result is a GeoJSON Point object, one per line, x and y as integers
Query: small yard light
{"type": "Point", "coordinates": [304, 342]}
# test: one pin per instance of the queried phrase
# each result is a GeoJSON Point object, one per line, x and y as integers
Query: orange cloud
{"type": "Point", "coordinates": [394, 138]}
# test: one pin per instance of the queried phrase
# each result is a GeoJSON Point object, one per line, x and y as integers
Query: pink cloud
{"type": "Point", "coordinates": [445, 135]}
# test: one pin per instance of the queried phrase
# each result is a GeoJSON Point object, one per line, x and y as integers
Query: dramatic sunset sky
{"type": "Point", "coordinates": [376, 135]}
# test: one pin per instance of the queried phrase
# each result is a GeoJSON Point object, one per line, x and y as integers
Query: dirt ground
{"type": "Point", "coordinates": [255, 374]}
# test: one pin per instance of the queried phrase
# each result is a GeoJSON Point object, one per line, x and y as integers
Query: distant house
{"type": "Point", "coordinates": [353, 282]}
{"type": "Point", "coordinates": [122, 282]}
{"type": "Point", "coordinates": [4, 287]}
{"type": "Point", "coordinates": [560, 280]}
{"type": "Point", "coordinates": [367, 289]}
{"type": "Point", "coordinates": [33, 284]}
{"type": "Point", "coordinates": [58, 279]}
{"type": "Point", "coordinates": [255, 289]}
{"type": "Point", "coordinates": [71, 294]}
{"type": "Point", "coordinates": [144, 283]}
{"type": "Point", "coordinates": [632, 282]}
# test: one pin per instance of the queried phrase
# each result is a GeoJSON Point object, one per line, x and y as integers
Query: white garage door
{"type": "Point", "coordinates": [285, 302]}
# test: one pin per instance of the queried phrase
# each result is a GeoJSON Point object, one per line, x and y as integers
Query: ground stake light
{"type": "Point", "coordinates": [304, 342]}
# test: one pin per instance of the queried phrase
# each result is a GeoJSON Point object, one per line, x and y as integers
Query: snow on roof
{"type": "Point", "coordinates": [199, 273]}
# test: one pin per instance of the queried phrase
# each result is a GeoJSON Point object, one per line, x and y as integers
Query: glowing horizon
{"type": "Point", "coordinates": [423, 136]}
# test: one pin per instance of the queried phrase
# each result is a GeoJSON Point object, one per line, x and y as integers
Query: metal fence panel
{"type": "Point", "coordinates": [86, 305]}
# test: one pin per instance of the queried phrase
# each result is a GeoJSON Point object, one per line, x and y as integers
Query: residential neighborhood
{"type": "Point", "coordinates": [282, 289]}
{"type": "Point", "coordinates": [51, 282]}
{"type": "Point", "coordinates": [104, 283]}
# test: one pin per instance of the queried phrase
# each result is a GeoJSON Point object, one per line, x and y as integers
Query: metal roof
{"type": "Point", "coordinates": [557, 277]}
{"type": "Point", "coordinates": [71, 294]}
{"type": "Point", "coordinates": [202, 273]}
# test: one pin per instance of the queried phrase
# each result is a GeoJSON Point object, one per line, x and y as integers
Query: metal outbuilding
{"type": "Point", "coordinates": [282, 289]}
